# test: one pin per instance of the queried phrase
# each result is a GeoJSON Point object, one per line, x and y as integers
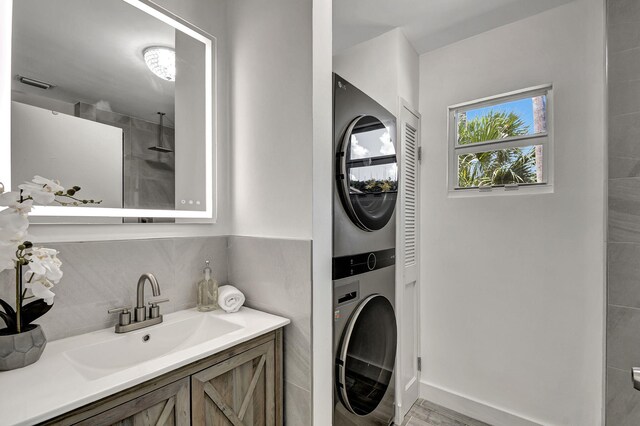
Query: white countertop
{"type": "Point", "coordinates": [53, 385]}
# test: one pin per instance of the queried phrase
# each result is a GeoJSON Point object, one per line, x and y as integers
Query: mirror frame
{"type": "Point", "coordinates": [167, 17]}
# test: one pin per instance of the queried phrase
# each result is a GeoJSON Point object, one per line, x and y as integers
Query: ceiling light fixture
{"type": "Point", "coordinates": [161, 61]}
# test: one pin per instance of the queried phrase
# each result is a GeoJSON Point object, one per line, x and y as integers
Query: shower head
{"type": "Point", "coordinates": [160, 146]}
{"type": "Point", "coordinates": [160, 149]}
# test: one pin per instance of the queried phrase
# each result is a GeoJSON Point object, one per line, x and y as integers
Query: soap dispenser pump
{"type": "Point", "coordinates": [207, 291]}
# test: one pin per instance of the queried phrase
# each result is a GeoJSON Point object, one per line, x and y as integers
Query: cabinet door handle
{"type": "Point", "coordinates": [635, 375]}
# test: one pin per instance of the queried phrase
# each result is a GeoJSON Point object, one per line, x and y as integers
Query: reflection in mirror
{"type": "Point", "coordinates": [369, 173]}
{"type": "Point", "coordinates": [110, 96]}
{"type": "Point", "coordinates": [371, 162]}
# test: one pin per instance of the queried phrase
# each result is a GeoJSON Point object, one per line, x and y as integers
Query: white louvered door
{"type": "Point", "coordinates": [408, 266]}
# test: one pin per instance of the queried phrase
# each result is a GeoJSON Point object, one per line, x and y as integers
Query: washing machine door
{"type": "Point", "coordinates": [368, 173]}
{"type": "Point", "coordinates": [367, 355]}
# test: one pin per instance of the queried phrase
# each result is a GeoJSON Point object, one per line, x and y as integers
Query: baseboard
{"type": "Point", "coordinates": [472, 408]}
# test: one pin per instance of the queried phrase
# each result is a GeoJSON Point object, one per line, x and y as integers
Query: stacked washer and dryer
{"type": "Point", "coordinates": [364, 239]}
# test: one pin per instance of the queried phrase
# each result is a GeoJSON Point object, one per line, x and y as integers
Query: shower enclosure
{"type": "Point", "coordinates": [623, 243]}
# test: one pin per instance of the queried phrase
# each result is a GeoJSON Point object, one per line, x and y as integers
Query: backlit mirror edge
{"type": "Point", "coordinates": [210, 212]}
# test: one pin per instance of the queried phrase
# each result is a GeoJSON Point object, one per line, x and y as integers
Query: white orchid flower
{"type": "Point", "coordinates": [8, 198]}
{"type": "Point", "coordinates": [22, 208]}
{"type": "Point", "coordinates": [13, 227]}
{"type": "Point", "coordinates": [12, 200]}
{"type": "Point", "coordinates": [40, 287]}
{"type": "Point", "coordinates": [42, 190]}
{"type": "Point", "coordinates": [7, 255]}
{"type": "Point", "coordinates": [44, 262]}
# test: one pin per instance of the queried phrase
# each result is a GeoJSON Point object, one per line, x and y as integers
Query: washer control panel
{"type": "Point", "coordinates": [348, 266]}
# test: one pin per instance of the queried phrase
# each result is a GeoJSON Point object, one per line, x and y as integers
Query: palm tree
{"type": "Point", "coordinates": [500, 167]}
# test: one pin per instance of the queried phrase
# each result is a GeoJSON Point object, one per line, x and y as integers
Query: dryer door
{"type": "Point", "coordinates": [367, 355]}
{"type": "Point", "coordinates": [368, 173]}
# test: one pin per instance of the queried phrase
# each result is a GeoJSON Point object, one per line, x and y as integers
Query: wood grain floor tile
{"type": "Point", "coordinates": [425, 413]}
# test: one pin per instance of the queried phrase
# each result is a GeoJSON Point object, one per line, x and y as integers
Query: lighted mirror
{"type": "Point", "coordinates": [115, 96]}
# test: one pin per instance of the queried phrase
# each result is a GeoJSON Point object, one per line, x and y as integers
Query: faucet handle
{"type": "Point", "coordinates": [635, 376]}
{"type": "Point", "coordinates": [125, 316]}
{"type": "Point", "coordinates": [116, 310]}
{"type": "Point", "coordinates": [154, 309]}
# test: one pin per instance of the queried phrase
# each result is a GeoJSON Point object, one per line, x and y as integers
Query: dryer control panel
{"type": "Point", "coordinates": [348, 266]}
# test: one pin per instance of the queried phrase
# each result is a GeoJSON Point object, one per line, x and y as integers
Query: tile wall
{"type": "Point", "coordinates": [149, 176]}
{"type": "Point", "coordinates": [623, 310]}
{"type": "Point", "coordinates": [274, 274]}
{"type": "Point", "coordinates": [103, 275]}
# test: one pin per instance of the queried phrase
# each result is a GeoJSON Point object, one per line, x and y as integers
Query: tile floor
{"type": "Point", "coordinates": [425, 413]}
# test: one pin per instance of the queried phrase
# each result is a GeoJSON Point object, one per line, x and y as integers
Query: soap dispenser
{"type": "Point", "coordinates": [207, 291]}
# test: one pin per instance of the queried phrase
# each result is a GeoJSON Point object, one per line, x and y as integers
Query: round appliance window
{"type": "Point", "coordinates": [368, 173]}
{"type": "Point", "coordinates": [367, 355]}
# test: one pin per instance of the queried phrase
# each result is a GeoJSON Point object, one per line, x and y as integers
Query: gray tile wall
{"type": "Point", "coordinates": [623, 257]}
{"type": "Point", "coordinates": [274, 274]}
{"type": "Point", "coordinates": [102, 275]}
{"type": "Point", "coordinates": [149, 176]}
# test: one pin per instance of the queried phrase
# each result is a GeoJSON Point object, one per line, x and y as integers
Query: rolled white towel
{"type": "Point", "coordinates": [230, 298]}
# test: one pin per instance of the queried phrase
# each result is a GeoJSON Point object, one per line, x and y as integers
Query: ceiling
{"type": "Point", "coordinates": [91, 51]}
{"type": "Point", "coordinates": [427, 24]}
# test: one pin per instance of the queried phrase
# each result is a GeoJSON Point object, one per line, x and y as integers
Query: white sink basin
{"type": "Point", "coordinates": [82, 369]}
{"type": "Point", "coordinates": [121, 351]}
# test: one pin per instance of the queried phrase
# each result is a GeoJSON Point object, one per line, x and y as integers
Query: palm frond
{"type": "Point", "coordinates": [499, 167]}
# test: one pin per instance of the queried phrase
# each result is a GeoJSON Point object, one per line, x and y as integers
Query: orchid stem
{"type": "Point", "coordinates": [19, 296]}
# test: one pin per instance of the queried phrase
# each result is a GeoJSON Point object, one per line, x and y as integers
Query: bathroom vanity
{"type": "Point", "coordinates": [194, 366]}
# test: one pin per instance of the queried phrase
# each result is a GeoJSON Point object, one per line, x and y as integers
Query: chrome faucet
{"type": "Point", "coordinates": [140, 314]}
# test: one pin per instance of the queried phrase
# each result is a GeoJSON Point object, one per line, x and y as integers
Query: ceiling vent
{"type": "Point", "coordinates": [35, 83]}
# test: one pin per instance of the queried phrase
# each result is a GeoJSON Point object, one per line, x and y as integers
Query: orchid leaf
{"type": "Point", "coordinates": [9, 321]}
{"type": "Point", "coordinates": [33, 311]}
{"type": "Point", "coordinates": [7, 308]}
{"type": "Point", "coordinates": [8, 316]}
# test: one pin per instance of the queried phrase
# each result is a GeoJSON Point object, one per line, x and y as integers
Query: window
{"type": "Point", "coordinates": [502, 142]}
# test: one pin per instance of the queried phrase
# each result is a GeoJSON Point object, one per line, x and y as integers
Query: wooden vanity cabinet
{"type": "Point", "coordinates": [240, 390]}
{"type": "Point", "coordinates": [241, 386]}
{"type": "Point", "coordinates": [168, 405]}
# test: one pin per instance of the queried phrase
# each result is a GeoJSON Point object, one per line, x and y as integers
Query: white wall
{"type": "Point", "coordinates": [207, 15]}
{"type": "Point", "coordinates": [513, 286]}
{"type": "Point", "coordinates": [384, 67]}
{"type": "Point", "coordinates": [322, 322]}
{"type": "Point", "coordinates": [72, 150]}
{"type": "Point", "coordinates": [271, 124]}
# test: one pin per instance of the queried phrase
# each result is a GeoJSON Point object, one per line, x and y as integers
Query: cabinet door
{"type": "Point", "coordinates": [167, 406]}
{"type": "Point", "coordinates": [240, 391]}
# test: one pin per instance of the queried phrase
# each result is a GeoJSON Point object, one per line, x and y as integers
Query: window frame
{"type": "Point", "coordinates": [545, 139]}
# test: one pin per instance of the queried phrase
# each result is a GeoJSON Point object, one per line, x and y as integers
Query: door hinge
{"type": "Point", "coordinates": [419, 153]}
{"type": "Point", "coordinates": [419, 363]}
